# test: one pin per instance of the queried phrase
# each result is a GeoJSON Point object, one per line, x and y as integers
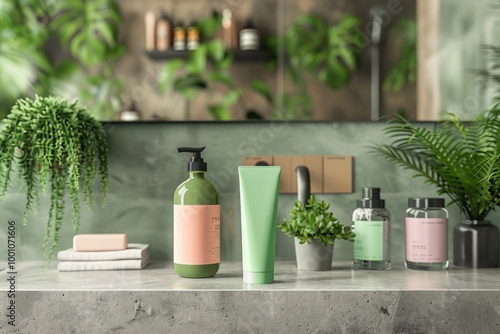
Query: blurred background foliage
{"type": "Point", "coordinates": [405, 70]}
{"type": "Point", "coordinates": [70, 48]}
{"type": "Point", "coordinates": [64, 48]}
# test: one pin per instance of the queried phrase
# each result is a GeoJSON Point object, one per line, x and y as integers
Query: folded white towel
{"type": "Point", "coordinates": [102, 265]}
{"type": "Point", "coordinates": [134, 251]}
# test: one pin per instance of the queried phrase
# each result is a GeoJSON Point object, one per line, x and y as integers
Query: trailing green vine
{"type": "Point", "coordinates": [53, 140]}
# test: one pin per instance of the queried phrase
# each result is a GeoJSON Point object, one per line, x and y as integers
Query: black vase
{"type": "Point", "coordinates": [475, 244]}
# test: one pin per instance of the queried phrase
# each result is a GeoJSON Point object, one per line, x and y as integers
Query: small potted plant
{"type": "Point", "coordinates": [49, 141]}
{"type": "Point", "coordinates": [462, 160]}
{"type": "Point", "coordinates": [315, 230]}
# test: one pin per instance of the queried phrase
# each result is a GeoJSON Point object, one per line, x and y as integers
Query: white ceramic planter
{"type": "Point", "coordinates": [314, 257]}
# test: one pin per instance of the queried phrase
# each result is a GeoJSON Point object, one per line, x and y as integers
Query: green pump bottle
{"type": "Point", "coordinates": [196, 221]}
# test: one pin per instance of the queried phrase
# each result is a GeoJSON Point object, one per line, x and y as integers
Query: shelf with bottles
{"type": "Point", "coordinates": [238, 55]}
{"type": "Point", "coordinates": [164, 40]}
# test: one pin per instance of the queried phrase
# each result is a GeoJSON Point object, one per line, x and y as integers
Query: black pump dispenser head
{"type": "Point", "coordinates": [371, 199]}
{"type": "Point", "coordinates": [196, 164]}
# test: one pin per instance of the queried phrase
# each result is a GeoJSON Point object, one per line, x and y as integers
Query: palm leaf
{"type": "Point", "coordinates": [461, 161]}
{"type": "Point", "coordinates": [89, 28]}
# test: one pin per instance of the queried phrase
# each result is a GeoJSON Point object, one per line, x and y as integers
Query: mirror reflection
{"type": "Point", "coordinates": [242, 60]}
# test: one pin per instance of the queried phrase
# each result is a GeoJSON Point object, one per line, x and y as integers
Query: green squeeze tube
{"type": "Point", "coordinates": [196, 221]}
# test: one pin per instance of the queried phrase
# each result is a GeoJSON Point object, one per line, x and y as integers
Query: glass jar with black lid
{"type": "Point", "coordinates": [426, 234]}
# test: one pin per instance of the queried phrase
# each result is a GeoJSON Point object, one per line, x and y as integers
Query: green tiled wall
{"type": "Point", "coordinates": [145, 170]}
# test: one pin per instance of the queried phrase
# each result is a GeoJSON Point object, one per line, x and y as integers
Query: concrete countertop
{"type": "Point", "coordinates": [156, 300]}
{"type": "Point", "coordinates": [160, 276]}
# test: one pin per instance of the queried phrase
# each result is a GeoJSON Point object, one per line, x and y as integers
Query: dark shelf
{"type": "Point", "coordinates": [239, 55]}
{"type": "Point", "coordinates": [249, 55]}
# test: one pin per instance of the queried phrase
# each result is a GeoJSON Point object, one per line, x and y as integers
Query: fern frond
{"type": "Point", "coordinates": [460, 160]}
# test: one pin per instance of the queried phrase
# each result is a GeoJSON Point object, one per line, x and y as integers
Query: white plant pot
{"type": "Point", "coordinates": [314, 256]}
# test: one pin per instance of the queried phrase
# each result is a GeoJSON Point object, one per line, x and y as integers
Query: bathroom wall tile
{"type": "Point", "coordinates": [145, 169]}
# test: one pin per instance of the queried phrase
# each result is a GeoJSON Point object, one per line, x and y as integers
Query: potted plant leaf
{"type": "Point", "coordinates": [404, 71]}
{"type": "Point", "coordinates": [329, 52]}
{"type": "Point", "coordinates": [462, 159]}
{"type": "Point", "coordinates": [315, 230]}
{"type": "Point", "coordinates": [314, 48]}
{"type": "Point", "coordinates": [59, 48]}
{"type": "Point", "coordinates": [206, 70]}
{"type": "Point", "coordinates": [49, 141]}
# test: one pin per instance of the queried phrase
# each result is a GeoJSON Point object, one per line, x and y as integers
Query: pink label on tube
{"type": "Point", "coordinates": [426, 240]}
{"type": "Point", "coordinates": [196, 234]}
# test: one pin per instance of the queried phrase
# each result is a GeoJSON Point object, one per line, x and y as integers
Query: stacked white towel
{"type": "Point", "coordinates": [136, 256]}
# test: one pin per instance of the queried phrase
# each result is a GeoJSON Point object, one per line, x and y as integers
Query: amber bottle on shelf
{"type": "Point", "coordinates": [163, 32]}
{"type": "Point", "coordinates": [229, 37]}
{"type": "Point", "coordinates": [179, 37]}
{"type": "Point", "coordinates": [193, 37]}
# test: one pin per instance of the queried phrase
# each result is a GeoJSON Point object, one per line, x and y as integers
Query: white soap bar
{"type": "Point", "coordinates": [99, 242]}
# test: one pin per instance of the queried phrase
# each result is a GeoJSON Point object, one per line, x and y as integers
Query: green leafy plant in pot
{"type": "Point", "coordinates": [462, 159]}
{"type": "Point", "coordinates": [49, 140]}
{"type": "Point", "coordinates": [315, 230]}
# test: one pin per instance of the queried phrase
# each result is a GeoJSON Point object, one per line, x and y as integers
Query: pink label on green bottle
{"type": "Point", "coordinates": [196, 234]}
{"type": "Point", "coordinates": [426, 240]}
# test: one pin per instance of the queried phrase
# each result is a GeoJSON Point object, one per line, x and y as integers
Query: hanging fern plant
{"type": "Point", "coordinates": [50, 140]}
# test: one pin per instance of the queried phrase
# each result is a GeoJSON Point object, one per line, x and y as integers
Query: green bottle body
{"type": "Point", "coordinates": [198, 194]}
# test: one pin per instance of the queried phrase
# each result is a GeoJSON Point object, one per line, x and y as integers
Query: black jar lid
{"type": "Point", "coordinates": [371, 199]}
{"type": "Point", "coordinates": [425, 202]}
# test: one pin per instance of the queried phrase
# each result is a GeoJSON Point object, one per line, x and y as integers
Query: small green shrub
{"type": "Point", "coordinates": [314, 222]}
